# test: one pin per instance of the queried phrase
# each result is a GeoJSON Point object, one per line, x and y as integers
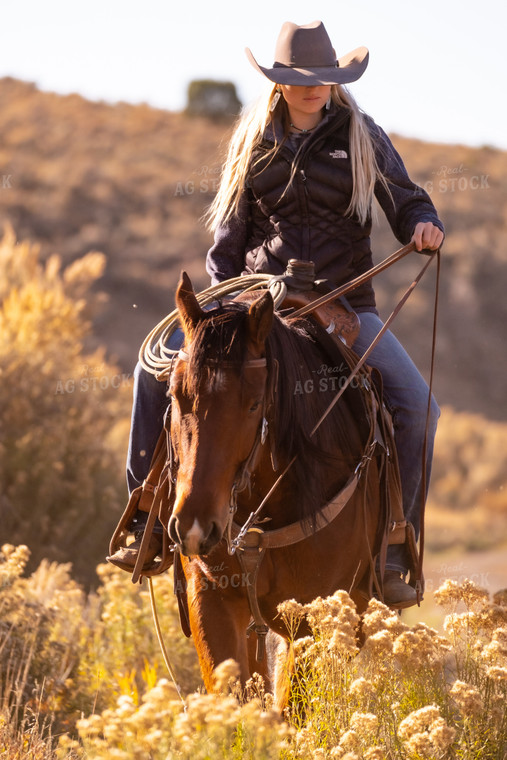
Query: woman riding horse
{"type": "Point", "coordinates": [303, 169]}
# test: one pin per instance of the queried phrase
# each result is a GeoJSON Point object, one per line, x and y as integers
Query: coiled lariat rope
{"type": "Point", "coordinates": [154, 354]}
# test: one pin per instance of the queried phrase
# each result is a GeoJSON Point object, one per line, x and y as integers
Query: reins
{"type": "Point", "coordinates": [161, 644]}
{"type": "Point", "coordinates": [424, 476]}
{"type": "Point", "coordinates": [352, 284]}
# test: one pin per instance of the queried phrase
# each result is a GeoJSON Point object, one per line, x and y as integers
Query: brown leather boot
{"type": "Point", "coordinates": [397, 593]}
{"type": "Point", "coordinates": [126, 556]}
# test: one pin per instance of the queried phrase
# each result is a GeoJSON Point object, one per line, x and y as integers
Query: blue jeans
{"type": "Point", "coordinates": [406, 398]}
{"type": "Point", "coordinates": [405, 395]}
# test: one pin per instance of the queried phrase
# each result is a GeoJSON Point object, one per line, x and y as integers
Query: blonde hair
{"type": "Point", "coordinates": [249, 133]}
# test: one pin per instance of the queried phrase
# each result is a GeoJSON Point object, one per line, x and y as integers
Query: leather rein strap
{"type": "Point", "coordinates": [360, 280]}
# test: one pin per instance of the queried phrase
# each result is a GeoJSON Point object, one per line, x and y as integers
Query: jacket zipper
{"type": "Point", "coordinates": [305, 217]}
{"type": "Point", "coordinates": [302, 189]}
{"type": "Point", "coordinates": [306, 252]}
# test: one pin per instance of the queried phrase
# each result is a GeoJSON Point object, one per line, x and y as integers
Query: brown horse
{"type": "Point", "coordinates": [224, 386]}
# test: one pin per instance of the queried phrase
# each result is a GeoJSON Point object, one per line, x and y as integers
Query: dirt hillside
{"type": "Point", "coordinates": [133, 182]}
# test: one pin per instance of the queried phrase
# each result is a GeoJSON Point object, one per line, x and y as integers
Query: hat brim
{"type": "Point", "coordinates": [349, 69]}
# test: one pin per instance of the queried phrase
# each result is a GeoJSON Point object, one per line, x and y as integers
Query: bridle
{"type": "Point", "coordinates": [244, 472]}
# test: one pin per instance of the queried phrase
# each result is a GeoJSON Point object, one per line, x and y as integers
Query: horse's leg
{"type": "Point", "coordinates": [218, 621]}
{"type": "Point", "coordinates": [269, 665]}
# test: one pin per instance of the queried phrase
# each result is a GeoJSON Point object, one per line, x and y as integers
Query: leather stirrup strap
{"type": "Point", "coordinates": [143, 549]}
{"type": "Point", "coordinates": [154, 483]}
{"type": "Point", "coordinates": [141, 497]}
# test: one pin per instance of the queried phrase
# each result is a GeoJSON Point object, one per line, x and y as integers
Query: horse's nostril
{"type": "Point", "coordinates": [193, 540]}
{"type": "Point", "coordinates": [214, 535]}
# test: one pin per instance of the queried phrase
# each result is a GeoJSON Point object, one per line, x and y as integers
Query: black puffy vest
{"type": "Point", "coordinates": [306, 219]}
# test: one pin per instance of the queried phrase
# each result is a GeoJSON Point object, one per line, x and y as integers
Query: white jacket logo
{"type": "Point", "coordinates": [339, 154]}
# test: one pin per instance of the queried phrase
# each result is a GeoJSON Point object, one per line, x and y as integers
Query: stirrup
{"type": "Point", "coordinates": [123, 532]}
{"type": "Point", "coordinates": [125, 557]}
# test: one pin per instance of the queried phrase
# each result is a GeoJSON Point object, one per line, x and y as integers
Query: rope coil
{"type": "Point", "coordinates": [156, 357]}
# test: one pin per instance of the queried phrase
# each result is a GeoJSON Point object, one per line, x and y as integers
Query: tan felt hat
{"type": "Point", "coordinates": [304, 55]}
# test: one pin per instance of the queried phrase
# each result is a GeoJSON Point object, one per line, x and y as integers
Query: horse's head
{"type": "Point", "coordinates": [218, 388]}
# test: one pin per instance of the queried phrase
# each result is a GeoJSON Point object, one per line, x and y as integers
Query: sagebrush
{"type": "Point", "coordinates": [87, 680]}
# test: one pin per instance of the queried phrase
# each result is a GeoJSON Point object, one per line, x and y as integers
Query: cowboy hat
{"type": "Point", "coordinates": [304, 56]}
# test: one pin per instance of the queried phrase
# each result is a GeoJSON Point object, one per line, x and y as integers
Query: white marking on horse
{"type": "Point", "coordinates": [218, 382]}
{"type": "Point", "coordinates": [193, 538]}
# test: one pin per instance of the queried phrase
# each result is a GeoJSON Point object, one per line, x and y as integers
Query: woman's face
{"type": "Point", "coordinates": [307, 100]}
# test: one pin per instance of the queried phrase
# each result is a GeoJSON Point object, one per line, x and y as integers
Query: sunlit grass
{"type": "Point", "coordinates": [82, 678]}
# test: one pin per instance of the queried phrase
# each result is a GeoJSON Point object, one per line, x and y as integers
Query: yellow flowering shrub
{"type": "Point", "coordinates": [402, 695]}
{"type": "Point", "coordinates": [65, 654]}
{"type": "Point", "coordinates": [64, 412]}
{"type": "Point", "coordinates": [82, 677]}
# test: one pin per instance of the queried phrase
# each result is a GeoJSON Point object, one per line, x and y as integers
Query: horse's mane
{"type": "Point", "coordinates": [324, 461]}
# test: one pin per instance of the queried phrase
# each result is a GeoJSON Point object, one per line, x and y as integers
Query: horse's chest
{"type": "Point", "coordinates": [287, 574]}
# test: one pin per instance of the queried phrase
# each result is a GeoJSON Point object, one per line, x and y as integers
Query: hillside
{"type": "Point", "coordinates": [84, 671]}
{"type": "Point", "coordinates": [133, 182]}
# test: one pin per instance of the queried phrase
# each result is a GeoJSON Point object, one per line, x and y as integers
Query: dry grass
{"type": "Point", "coordinates": [86, 680]}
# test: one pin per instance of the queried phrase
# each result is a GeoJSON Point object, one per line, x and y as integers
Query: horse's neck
{"type": "Point", "coordinates": [277, 510]}
{"type": "Point", "coordinates": [262, 480]}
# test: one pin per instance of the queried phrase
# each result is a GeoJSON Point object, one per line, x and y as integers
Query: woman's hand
{"type": "Point", "coordinates": [427, 237]}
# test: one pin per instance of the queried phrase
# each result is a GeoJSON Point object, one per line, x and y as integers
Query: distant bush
{"type": "Point", "coordinates": [64, 412]}
{"type": "Point", "coordinates": [214, 99]}
{"type": "Point", "coordinates": [467, 505]}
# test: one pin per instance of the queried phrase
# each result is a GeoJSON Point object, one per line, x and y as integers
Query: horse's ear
{"type": "Point", "coordinates": [260, 321]}
{"type": "Point", "coordinates": [187, 304]}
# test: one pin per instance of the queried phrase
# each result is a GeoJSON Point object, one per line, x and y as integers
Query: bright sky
{"type": "Point", "coordinates": [437, 68]}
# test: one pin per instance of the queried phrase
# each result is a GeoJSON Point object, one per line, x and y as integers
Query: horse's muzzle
{"type": "Point", "coordinates": [195, 540]}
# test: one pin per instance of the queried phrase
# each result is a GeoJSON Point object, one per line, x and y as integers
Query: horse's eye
{"type": "Point", "coordinates": [255, 406]}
